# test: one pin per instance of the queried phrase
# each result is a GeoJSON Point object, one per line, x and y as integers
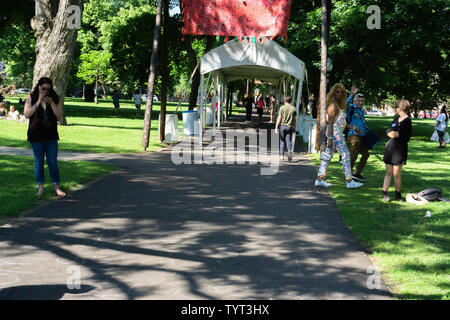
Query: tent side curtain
{"type": "Point", "coordinates": [267, 59]}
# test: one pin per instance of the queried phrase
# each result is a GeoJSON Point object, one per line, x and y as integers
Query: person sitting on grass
{"type": "Point", "coordinates": [3, 111]}
{"type": "Point", "coordinates": [13, 113]}
{"type": "Point", "coordinates": [396, 152]}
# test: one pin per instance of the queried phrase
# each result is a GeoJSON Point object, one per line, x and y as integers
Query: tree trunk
{"type": "Point", "coordinates": [193, 60]}
{"type": "Point", "coordinates": [104, 91]}
{"type": "Point", "coordinates": [321, 137]}
{"type": "Point", "coordinates": [96, 90]}
{"type": "Point", "coordinates": [151, 79]}
{"type": "Point", "coordinates": [165, 71]}
{"type": "Point", "coordinates": [55, 43]}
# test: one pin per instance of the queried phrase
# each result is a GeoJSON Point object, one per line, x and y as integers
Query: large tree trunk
{"type": "Point", "coordinates": [321, 116]}
{"type": "Point", "coordinates": [55, 43]}
{"type": "Point", "coordinates": [151, 79]}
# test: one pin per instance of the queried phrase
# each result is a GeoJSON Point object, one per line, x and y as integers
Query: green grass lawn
{"type": "Point", "coordinates": [413, 252]}
{"type": "Point", "coordinates": [95, 128]}
{"type": "Point", "coordinates": [18, 191]}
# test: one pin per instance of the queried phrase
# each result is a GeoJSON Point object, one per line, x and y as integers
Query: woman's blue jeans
{"type": "Point", "coordinates": [49, 149]}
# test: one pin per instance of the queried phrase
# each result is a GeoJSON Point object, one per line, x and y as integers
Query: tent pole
{"type": "Point", "coordinates": [201, 110]}
{"type": "Point", "coordinates": [214, 107]}
{"type": "Point", "coordinates": [219, 101]}
{"type": "Point", "coordinates": [226, 100]}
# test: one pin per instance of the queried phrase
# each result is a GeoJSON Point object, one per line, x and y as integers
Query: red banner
{"type": "Point", "coordinates": [249, 18]}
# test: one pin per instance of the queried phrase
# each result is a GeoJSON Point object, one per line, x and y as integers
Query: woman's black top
{"type": "Point", "coordinates": [43, 125]}
{"type": "Point", "coordinates": [396, 151]}
{"type": "Point", "coordinates": [2, 113]}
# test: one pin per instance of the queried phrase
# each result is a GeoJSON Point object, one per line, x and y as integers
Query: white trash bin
{"type": "Point", "coordinates": [171, 131]}
{"type": "Point", "coordinates": [189, 120]}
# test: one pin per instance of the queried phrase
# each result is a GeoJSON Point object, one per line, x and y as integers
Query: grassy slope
{"type": "Point", "coordinates": [412, 251]}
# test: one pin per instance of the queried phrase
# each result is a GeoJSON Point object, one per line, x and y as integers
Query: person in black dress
{"type": "Point", "coordinates": [396, 152]}
{"type": "Point", "coordinates": [43, 110]}
{"type": "Point", "coordinates": [249, 102]}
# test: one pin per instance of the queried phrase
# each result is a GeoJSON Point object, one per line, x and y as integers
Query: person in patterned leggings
{"type": "Point", "coordinates": [336, 107]}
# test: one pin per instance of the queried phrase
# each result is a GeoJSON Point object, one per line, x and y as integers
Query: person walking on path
{"type": "Point", "coordinates": [336, 108]}
{"type": "Point", "coordinates": [286, 121]}
{"type": "Point", "coordinates": [355, 139]}
{"type": "Point", "coordinates": [260, 108]}
{"type": "Point", "coordinates": [116, 97]}
{"type": "Point", "coordinates": [396, 152]}
{"type": "Point", "coordinates": [441, 126]}
{"type": "Point", "coordinates": [43, 111]}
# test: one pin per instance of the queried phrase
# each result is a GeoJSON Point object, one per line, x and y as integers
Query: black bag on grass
{"type": "Point", "coordinates": [432, 194]}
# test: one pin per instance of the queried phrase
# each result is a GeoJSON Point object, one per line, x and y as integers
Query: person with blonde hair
{"type": "Point", "coordinates": [396, 151]}
{"type": "Point", "coordinates": [336, 116]}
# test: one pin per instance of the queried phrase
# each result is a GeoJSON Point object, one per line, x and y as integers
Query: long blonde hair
{"type": "Point", "coordinates": [330, 97]}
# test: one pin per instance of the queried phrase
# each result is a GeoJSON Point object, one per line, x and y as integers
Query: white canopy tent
{"type": "Point", "coordinates": [266, 61]}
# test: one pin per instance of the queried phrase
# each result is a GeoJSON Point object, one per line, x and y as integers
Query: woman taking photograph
{"type": "Point", "coordinates": [396, 152]}
{"type": "Point", "coordinates": [336, 115]}
{"type": "Point", "coordinates": [42, 108]}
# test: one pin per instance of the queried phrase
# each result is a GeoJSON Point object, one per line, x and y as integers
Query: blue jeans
{"type": "Point", "coordinates": [285, 138]}
{"type": "Point", "coordinates": [49, 149]}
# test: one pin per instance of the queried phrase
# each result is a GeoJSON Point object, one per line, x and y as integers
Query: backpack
{"type": "Point", "coordinates": [432, 194]}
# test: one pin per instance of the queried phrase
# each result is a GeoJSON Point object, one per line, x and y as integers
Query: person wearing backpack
{"type": "Point", "coordinates": [355, 135]}
{"type": "Point", "coordinates": [441, 126]}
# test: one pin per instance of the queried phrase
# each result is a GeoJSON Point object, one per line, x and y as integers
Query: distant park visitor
{"type": "Point", "coordinates": [441, 126]}
{"type": "Point", "coordinates": [116, 97]}
{"type": "Point", "coordinates": [137, 97]}
{"type": "Point", "coordinates": [43, 111]}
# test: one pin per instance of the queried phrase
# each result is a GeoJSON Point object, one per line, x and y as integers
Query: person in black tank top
{"type": "Point", "coordinates": [396, 151]}
{"type": "Point", "coordinates": [43, 111]}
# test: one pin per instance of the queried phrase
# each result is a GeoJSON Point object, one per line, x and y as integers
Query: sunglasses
{"type": "Point", "coordinates": [45, 88]}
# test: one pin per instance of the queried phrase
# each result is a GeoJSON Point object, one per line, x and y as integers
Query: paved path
{"type": "Point", "coordinates": [155, 230]}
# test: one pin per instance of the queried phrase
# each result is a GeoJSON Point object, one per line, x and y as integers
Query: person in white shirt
{"type": "Point", "coordinates": [13, 113]}
{"type": "Point", "coordinates": [137, 96]}
{"type": "Point", "coordinates": [441, 126]}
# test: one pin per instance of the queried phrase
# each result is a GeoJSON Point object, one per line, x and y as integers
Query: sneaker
{"type": "Point", "coordinates": [354, 185]}
{"type": "Point", "coordinates": [322, 183]}
{"type": "Point", "coordinates": [290, 156]}
{"type": "Point", "coordinates": [358, 177]}
{"type": "Point", "coordinates": [386, 198]}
